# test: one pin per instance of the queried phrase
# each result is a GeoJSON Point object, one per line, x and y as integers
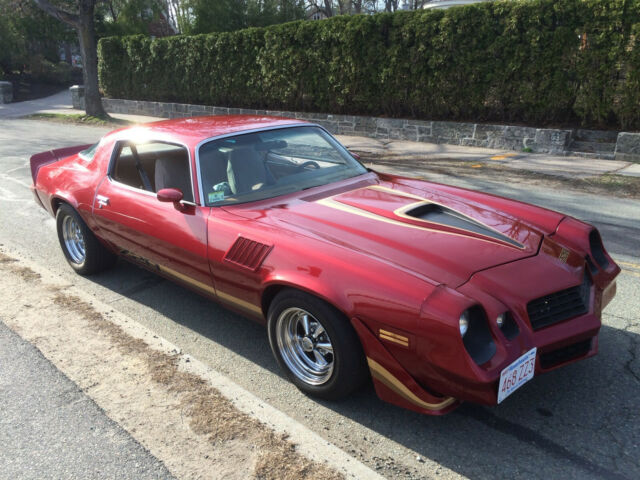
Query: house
{"type": "Point", "coordinates": [450, 3]}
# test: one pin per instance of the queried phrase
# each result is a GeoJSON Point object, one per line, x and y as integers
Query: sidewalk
{"type": "Point", "coordinates": [568, 167]}
{"type": "Point", "coordinates": [58, 103]}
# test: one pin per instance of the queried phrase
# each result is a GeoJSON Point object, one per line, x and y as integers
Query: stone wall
{"type": "Point", "coordinates": [628, 147]}
{"type": "Point", "coordinates": [508, 137]}
{"type": "Point", "coordinates": [6, 92]}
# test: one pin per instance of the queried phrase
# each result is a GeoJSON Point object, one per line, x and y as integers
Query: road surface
{"type": "Point", "coordinates": [580, 422]}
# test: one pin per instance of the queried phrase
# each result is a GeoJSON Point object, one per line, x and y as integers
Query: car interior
{"type": "Point", "coordinates": [154, 166]}
{"type": "Point", "coordinates": [258, 165]}
{"type": "Point", "coordinates": [234, 169]}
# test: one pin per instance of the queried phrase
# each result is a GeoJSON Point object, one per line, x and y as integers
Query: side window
{"type": "Point", "coordinates": [152, 167]}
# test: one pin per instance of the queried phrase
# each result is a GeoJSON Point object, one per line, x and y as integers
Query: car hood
{"type": "Point", "coordinates": [433, 234]}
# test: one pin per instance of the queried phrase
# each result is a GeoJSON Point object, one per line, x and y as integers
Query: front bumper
{"type": "Point", "coordinates": [511, 287]}
{"type": "Point", "coordinates": [436, 368]}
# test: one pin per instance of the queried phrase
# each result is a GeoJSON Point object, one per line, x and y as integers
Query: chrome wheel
{"type": "Point", "coordinates": [73, 239]}
{"type": "Point", "coordinates": [305, 346]}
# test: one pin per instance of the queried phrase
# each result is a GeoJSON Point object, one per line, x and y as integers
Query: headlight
{"type": "Point", "coordinates": [597, 249]}
{"type": "Point", "coordinates": [464, 323]}
{"type": "Point", "coordinates": [508, 325]}
{"type": "Point", "coordinates": [476, 336]}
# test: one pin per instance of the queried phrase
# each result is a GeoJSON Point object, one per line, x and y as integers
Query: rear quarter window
{"type": "Point", "coordinates": [88, 154]}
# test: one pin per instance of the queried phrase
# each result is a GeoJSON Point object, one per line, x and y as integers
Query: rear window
{"type": "Point", "coordinates": [89, 153]}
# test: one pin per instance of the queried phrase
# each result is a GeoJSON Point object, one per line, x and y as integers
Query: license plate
{"type": "Point", "coordinates": [517, 374]}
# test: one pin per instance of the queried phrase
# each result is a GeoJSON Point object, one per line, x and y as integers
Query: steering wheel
{"type": "Point", "coordinates": [309, 163]}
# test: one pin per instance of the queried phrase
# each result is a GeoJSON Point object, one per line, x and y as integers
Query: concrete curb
{"type": "Point", "coordinates": [307, 442]}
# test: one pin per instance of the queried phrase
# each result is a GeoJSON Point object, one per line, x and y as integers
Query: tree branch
{"type": "Point", "coordinates": [59, 13]}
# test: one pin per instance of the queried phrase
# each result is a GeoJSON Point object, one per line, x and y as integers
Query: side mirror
{"type": "Point", "coordinates": [171, 195]}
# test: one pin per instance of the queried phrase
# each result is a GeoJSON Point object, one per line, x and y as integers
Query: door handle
{"type": "Point", "coordinates": [102, 201]}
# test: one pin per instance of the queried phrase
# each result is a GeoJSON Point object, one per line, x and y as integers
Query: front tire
{"type": "Point", "coordinates": [315, 345]}
{"type": "Point", "coordinates": [81, 248]}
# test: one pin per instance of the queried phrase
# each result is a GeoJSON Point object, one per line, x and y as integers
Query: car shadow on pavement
{"type": "Point", "coordinates": [580, 421]}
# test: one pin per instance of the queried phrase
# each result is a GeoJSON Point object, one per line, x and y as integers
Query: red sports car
{"type": "Point", "coordinates": [437, 293]}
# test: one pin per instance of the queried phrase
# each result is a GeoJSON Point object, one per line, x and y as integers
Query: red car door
{"type": "Point", "coordinates": [156, 234]}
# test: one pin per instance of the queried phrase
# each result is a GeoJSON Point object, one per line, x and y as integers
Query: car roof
{"type": "Point", "coordinates": [193, 130]}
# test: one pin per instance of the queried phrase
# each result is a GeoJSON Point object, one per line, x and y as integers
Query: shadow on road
{"type": "Point", "coordinates": [581, 420]}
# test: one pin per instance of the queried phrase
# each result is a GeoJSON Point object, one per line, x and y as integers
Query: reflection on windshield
{"type": "Point", "coordinates": [260, 165]}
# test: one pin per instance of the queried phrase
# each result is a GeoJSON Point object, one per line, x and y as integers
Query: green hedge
{"type": "Point", "coordinates": [537, 61]}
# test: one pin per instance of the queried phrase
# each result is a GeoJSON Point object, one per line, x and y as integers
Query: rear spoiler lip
{"type": "Point", "coordinates": [50, 156]}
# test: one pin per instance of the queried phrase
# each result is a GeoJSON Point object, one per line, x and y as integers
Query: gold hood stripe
{"type": "Point", "coordinates": [384, 376]}
{"type": "Point", "coordinates": [332, 203]}
{"type": "Point", "coordinates": [422, 201]}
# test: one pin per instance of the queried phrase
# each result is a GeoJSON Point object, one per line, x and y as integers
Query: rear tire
{"type": "Point", "coordinates": [315, 345]}
{"type": "Point", "coordinates": [81, 248]}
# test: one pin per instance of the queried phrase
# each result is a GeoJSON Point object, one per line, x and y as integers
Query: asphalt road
{"type": "Point", "coordinates": [580, 422]}
{"type": "Point", "coordinates": [50, 429]}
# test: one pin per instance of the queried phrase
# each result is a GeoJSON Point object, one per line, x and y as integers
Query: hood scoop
{"type": "Point", "coordinates": [438, 237]}
{"type": "Point", "coordinates": [441, 215]}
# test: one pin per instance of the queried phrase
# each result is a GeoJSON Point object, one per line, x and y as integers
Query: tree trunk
{"type": "Point", "coordinates": [88, 47]}
{"type": "Point", "coordinates": [67, 53]}
{"type": "Point", "coordinates": [327, 8]}
{"type": "Point", "coordinates": [84, 24]}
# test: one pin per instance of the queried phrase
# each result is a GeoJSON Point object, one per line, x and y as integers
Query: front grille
{"type": "Point", "coordinates": [564, 354]}
{"type": "Point", "coordinates": [560, 306]}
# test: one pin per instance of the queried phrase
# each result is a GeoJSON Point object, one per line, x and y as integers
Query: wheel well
{"type": "Point", "coordinates": [268, 295]}
{"type": "Point", "coordinates": [55, 204]}
{"type": "Point", "coordinates": [272, 290]}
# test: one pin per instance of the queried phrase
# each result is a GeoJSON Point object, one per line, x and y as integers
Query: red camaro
{"type": "Point", "coordinates": [439, 294]}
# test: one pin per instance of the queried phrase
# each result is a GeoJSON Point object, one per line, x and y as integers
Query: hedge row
{"type": "Point", "coordinates": [532, 61]}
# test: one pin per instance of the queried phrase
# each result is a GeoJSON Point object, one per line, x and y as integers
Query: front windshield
{"type": "Point", "coordinates": [256, 166]}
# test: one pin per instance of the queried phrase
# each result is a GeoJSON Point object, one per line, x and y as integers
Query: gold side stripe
{"type": "Point", "coordinates": [189, 280]}
{"type": "Point", "coordinates": [239, 302]}
{"type": "Point", "coordinates": [203, 286]}
{"type": "Point", "coordinates": [394, 340]}
{"type": "Point", "coordinates": [383, 375]}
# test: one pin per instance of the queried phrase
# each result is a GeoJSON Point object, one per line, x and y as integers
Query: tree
{"type": "Point", "coordinates": [82, 19]}
{"type": "Point", "coordinates": [228, 15]}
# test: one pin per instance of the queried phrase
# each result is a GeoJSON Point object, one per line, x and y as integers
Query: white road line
{"type": "Point", "coordinates": [4, 176]}
{"type": "Point", "coordinates": [25, 165]}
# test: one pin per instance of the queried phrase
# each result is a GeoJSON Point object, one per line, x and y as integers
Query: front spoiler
{"type": "Point", "coordinates": [392, 382]}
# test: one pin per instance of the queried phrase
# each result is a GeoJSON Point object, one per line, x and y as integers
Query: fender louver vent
{"type": "Point", "coordinates": [247, 253]}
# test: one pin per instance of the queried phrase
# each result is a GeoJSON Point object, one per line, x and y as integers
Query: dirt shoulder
{"type": "Point", "coordinates": [176, 414]}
